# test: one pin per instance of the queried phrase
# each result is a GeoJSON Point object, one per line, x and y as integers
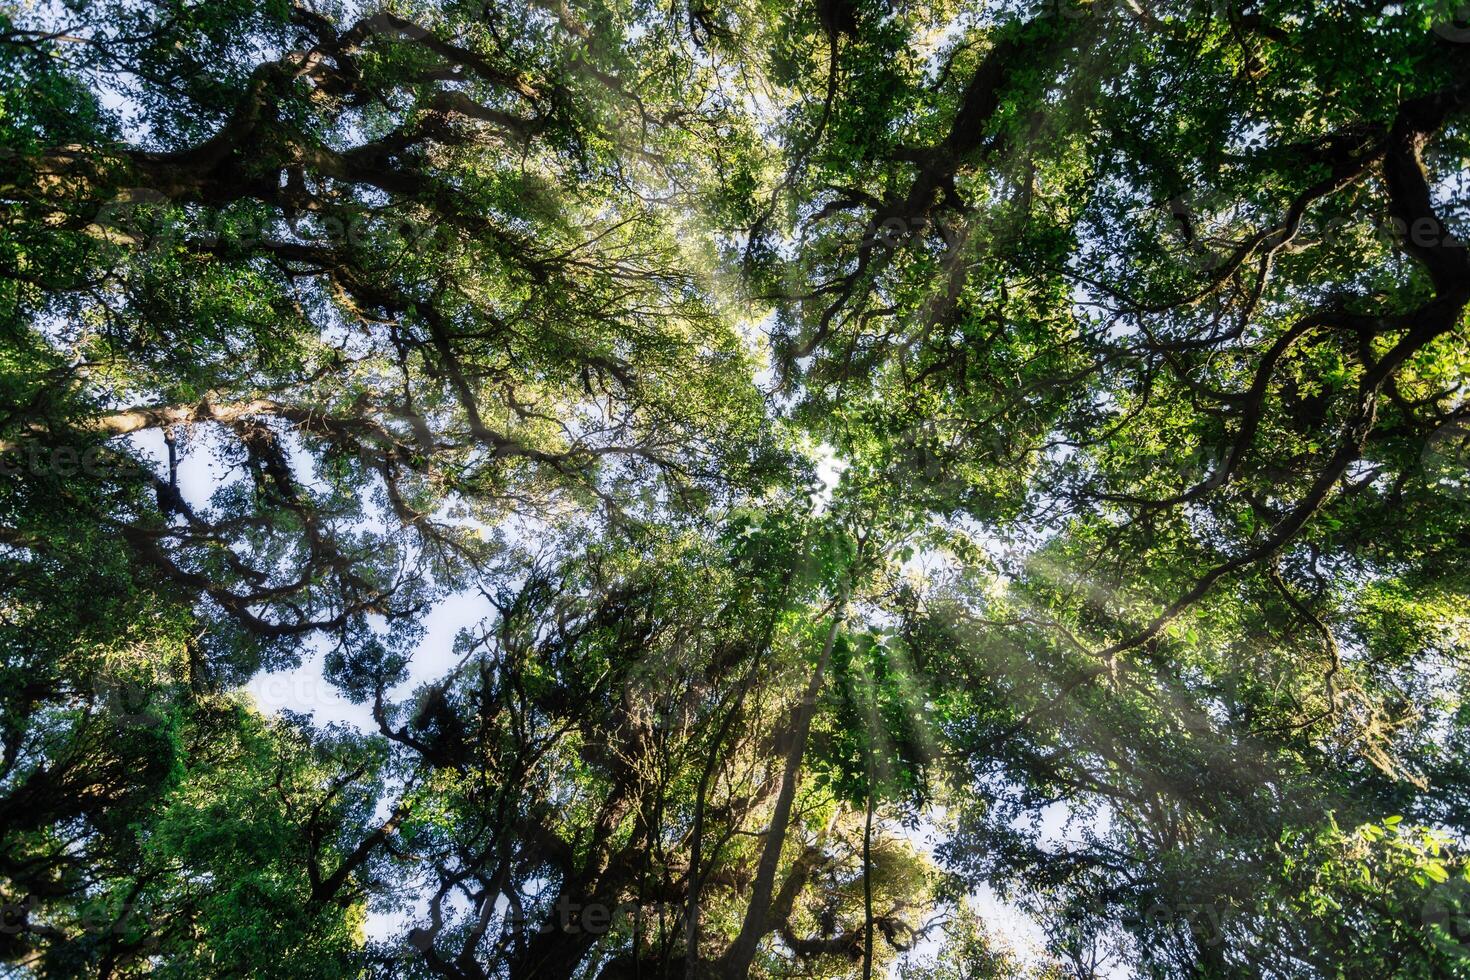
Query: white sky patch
{"type": "Point", "coordinates": [304, 690]}
{"type": "Point", "coordinates": [830, 468]}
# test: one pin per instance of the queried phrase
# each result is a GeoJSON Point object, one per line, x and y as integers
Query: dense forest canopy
{"type": "Point", "coordinates": [960, 490]}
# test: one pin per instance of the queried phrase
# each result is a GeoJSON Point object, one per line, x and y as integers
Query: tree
{"type": "Point", "coordinates": [1040, 426]}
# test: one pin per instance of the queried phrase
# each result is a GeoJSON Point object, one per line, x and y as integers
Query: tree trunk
{"type": "Point", "coordinates": [735, 964]}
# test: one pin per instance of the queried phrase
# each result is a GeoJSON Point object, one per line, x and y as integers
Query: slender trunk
{"type": "Point", "coordinates": [735, 964]}
{"type": "Point", "coordinates": [868, 873]}
{"type": "Point", "coordinates": [691, 920]}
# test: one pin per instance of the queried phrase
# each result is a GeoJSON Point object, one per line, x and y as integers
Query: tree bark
{"type": "Point", "coordinates": [735, 964]}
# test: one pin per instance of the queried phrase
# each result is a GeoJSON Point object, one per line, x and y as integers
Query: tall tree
{"type": "Point", "coordinates": [904, 450]}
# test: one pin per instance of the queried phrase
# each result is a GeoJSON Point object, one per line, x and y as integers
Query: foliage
{"type": "Point", "coordinates": [898, 450]}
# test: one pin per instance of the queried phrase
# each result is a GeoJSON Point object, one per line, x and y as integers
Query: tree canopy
{"type": "Point", "coordinates": [915, 458]}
